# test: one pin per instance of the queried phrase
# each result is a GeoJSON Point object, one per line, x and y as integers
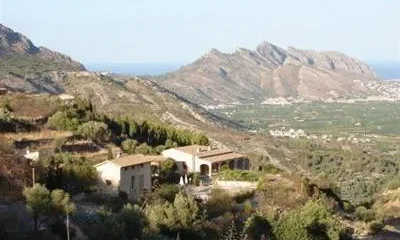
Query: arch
{"type": "Point", "coordinates": [239, 164]}
{"type": "Point", "coordinates": [204, 169]}
{"type": "Point", "coordinates": [231, 164]}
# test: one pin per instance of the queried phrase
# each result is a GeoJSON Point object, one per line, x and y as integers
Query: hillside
{"type": "Point", "coordinates": [270, 72]}
{"type": "Point", "coordinates": [21, 62]}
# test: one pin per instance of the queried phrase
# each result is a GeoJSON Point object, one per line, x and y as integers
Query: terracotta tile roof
{"type": "Point", "coordinates": [223, 157]}
{"type": "Point", "coordinates": [132, 160]}
{"type": "Point", "coordinates": [213, 155]}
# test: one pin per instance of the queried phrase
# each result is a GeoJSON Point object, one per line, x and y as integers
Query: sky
{"type": "Point", "coordinates": [180, 31]}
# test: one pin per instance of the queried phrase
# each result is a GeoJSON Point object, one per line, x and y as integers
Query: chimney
{"type": "Point", "coordinates": [209, 148]}
{"type": "Point", "coordinates": [119, 154]}
{"type": "Point", "coordinates": [198, 149]}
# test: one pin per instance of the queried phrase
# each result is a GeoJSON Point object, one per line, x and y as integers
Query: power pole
{"type": "Point", "coordinates": [67, 226]}
{"type": "Point", "coordinates": [33, 176]}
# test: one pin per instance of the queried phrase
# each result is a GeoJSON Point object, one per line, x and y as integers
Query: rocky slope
{"type": "Point", "coordinates": [21, 61]}
{"type": "Point", "coordinates": [270, 72]}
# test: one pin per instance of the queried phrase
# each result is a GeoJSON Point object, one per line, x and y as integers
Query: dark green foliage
{"type": "Point", "coordinates": [155, 134]}
{"type": "Point", "coordinates": [169, 172]}
{"type": "Point", "coordinates": [239, 175]}
{"type": "Point", "coordinates": [95, 131]}
{"type": "Point", "coordinates": [219, 203]}
{"type": "Point", "coordinates": [312, 221]}
{"type": "Point", "coordinates": [134, 221]}
{"type": "Point", "coordinates": [66, 171]}
{"type": "Point", "coordinates": [164, 192]}
{"type": "Point", "coordinates": [232, 233]}
{"type": "Point", "coordinates": [107, 228]}
{"type": "Point", "coordinates": [257, 226]}
{"type": "Point", "coordinates": [110, 154]}
{"type": "Point", "coordinates": [70, 117]}
{"type": "Point", "coordinates": [58, 228]}
{"type": "Point", "coordinates": [243, 196]}
{"type": "Point", "coordinates": [364, 214]}
{"type": "Point", "coordinates": [375, 227]}
{"type": "Point", "coordinates": [129, 146]}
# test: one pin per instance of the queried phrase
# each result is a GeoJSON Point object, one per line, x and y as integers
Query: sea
{"type": "Point", "coordinates": [384, 70]}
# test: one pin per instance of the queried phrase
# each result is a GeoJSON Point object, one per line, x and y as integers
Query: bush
{"type": "Point", "coordinates": [95, 131]}
{"type": "Point", "coordinates": [219, 203]}
{"type": "Point", "coordinates": [364, 214]}
{"type": "Point", "coordinates": [243, 196]}
{"type": "Point", "coordinates": [375, 227]}
{"type": "Point", "coordinates": [165, 192]}
{"type": "Point", "coordinates": [312, 221]}
{"type": "Point", "coordinates": [129, 146]}
{"type": "Point", "coordinates": [169, 172]}
{"type": "Point", "coordinates": [195, 178]}
{"type": "Point", "coordinates": [257, 226]}
{"type": "Point", "coordinates": [61, 121]}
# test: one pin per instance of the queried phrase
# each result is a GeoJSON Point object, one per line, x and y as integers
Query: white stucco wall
{"type": "Point", "coordinates": [186, 158]}
{"type": "Point", "coordinates": [137, 171]}
{"type": "Point", "coordinates": [109, 171]}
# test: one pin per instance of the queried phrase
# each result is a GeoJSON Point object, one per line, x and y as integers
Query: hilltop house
{"type": "Point", "coordinates": [206, 159]}
{"type": "Point", "coordinates": [66, 98]}
{"type": "Point", "coordinates": [130, 174]}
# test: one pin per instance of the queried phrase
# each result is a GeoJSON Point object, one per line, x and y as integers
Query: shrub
{"type": "Point", "coordinates": [257, 226]}
{"type": "Point", "coordinates": [243, 196]}
{"type": "Point", "coordinates": [165, 192]}
{"type": "Point", "coordinates": [219, 203]}
{"type": "Point", "coordinates": [61, 121]}
{"type": "Point", "coordinates": [129, 146]}
{"type": "Point", "coordinates": [169, 172]}
{"type": "Point", "coordinates": [364, 214]}
{"type": "Point", "coordinates": [375, 227]}
{"type": "Point", "coordinates": [95, 131]}
{"type": "Point", "coordinates": [312, 221]}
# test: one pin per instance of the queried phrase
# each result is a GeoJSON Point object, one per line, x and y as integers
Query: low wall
{"type": "Point", "coordinates": [236, 184]}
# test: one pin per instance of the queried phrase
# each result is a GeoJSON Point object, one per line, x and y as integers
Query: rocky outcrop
{"type": "Point", "coordinates": [270, 72]}
{"type": "Point", "coordinates": [21, 61]}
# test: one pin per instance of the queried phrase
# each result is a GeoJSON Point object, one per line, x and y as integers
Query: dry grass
{"type": "Point", "coordinates": [34, 136]}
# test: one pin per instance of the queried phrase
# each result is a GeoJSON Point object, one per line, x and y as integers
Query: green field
{"type": "Point", "coordinates": [381, 118]}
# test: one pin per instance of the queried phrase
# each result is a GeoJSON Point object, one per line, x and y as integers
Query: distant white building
{"type": "Point", "coordinates": [130, 174]}
{"type": "Point", "coordinates": [206, 159]}
{"type": "Point", "coordinates": [33, 156]}
{"type": "Point", "coordinates": [66, 98]}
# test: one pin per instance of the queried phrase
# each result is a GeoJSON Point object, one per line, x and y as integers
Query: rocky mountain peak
{"type": "Point", "coordinates": [270, 71]}
{"type": "Point", "coordinates": [13, 42]}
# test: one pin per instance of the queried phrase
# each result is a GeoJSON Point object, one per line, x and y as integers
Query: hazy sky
{"type": "Point", "coordinates": [182, 30]}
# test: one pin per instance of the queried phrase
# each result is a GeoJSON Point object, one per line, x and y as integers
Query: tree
{"type": "Point", "coordinates": [312, 221]}
{"type": "Point", "coordinates": [61, 203]}
{"type": "Point", "coordinates": [129, 146]}
{"type": "Point", "coordinates": [37, 201]}
{"type": "Point", "coordinates": [169, 172]}
{"type": "Point", "coordinates": [181, 214]}
{"type": "Point", "coordinates": [110, 154]}
{"type": "Point", "coordinates": [95, 131]}
{"type": "Point", "coordinates": [133, 219]}
{"type": "Point", "coordinates": [61, 121]}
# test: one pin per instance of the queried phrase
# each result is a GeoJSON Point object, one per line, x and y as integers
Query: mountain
{"type": "Point", "coordinates": [21, 60]}
{"type": "Point", "coordinates": [270, 72]}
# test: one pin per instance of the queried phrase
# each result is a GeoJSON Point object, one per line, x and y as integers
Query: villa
{"type": "Point", "coordinates": [207, 160]}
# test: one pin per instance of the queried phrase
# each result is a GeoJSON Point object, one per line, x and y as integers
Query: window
{"type": "Point", "coordinates": [133, 182]}
{"type": "Point", "coordinates": [108, 182]}
{"type": "Point", "coordinates": [141, 181]}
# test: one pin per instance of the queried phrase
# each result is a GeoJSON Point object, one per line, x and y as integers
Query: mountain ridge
{"type": "Point", "coordinates": [269, 71]}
